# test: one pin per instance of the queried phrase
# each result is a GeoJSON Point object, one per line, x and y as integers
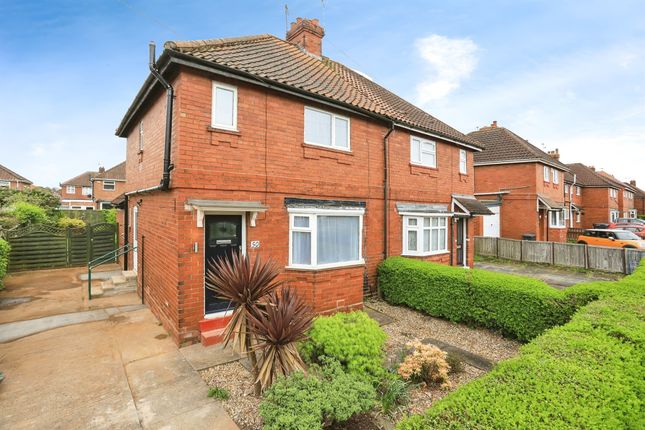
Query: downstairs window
{"type": "Point", "coordinates": [425, 235]}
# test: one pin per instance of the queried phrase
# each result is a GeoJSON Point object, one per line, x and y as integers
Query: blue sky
{"type": "Point", "coordinates": [565, 74]}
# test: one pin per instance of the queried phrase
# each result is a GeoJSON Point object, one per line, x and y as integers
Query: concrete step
{"type": "Point", "coordinates": [212, 337]}
{"type": "Point", "coordinates": [107, 285]}
{"type": "Point", "coordinates": [119, 279]}
{"type": "Point", "coordinates": [97, 291]}
{"type": "Point", "coordinates": [129, 274]}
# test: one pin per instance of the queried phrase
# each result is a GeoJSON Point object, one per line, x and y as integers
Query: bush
{"type": "Point", "coordinates": [353, 339]}
{"type": "Point", "coordinates": [519, 307]}
{"type": "Point", "coordinates": [110, 216]}
{"type": "Point", "coordinates": [584, 374]}
{"type": "Point", "coordinates": [28, 213]}
{"type": "Point", "coordinates": [325, 396]}
{"type": "Point", "coordinates": [426, 364]}
{"type": "Point", "coordinates": [41, 197]}
{"type": "Point", "coordinates": [4, 259]}
{"type": "Point", "coordinates": [71, 222]}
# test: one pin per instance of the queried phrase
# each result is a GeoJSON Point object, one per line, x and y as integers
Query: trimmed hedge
{"type": "Point", "coordinates": [519, 307]}
{"type": "Point", "coordinates": [585, 374]}
{"type": "Point", "coordinates": [4, 259]}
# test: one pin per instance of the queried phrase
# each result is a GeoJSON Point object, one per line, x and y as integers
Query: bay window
{"type": "Point", "coordinates": [423, 152]}
{"type": "Point", "coordinates": [326, 129]}
{"type": "Point", "coordinates": [425, 235]}
{"type": "Point", "coordinates": [322, 238]}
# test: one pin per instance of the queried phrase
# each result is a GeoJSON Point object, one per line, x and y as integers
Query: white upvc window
{"type": "Point", "coordinates": [5, 184]}
{"type": "Point", "coordinates": [463, 161]}
{"type": "Point", "coordinates": [70, 189]}
{"type": "Point", "coordinates": [566, 214]}
{"type": "Point", "coordinates": [577, 217]}
{"type": "Point", "coordinates": [613, 193]}
{"type": "Point", "coordinates": [577, 190]}
{"type": "Point", "coordinates": [556, 176]}
{"type": "Point", "coordinates": [326, 129]}
{"type": "Point", "coordinates": [425, 235]}
{"type": "Point", "coordinates": [566, 189]}
{"type": "Point", "coordinates": [423, 152]}
{"type": "Point", "coordinates": [141, 136]}
{"type": "Point", "coordinates": [224, 108]}
{"type": "Point", "coordinates": [109, 185]}
{"type": "Point", "coordinates": [557, 218]}
{"type": "Point", "coordinates": [86, 191]}
{"type": "Point", "coordinates": [105, 205]}
{"type": "Point", "coordinates": [546, 174]}
{"type": "Point", "coordinates": [325, 238]}
{"type": "Point", "coordinates": [613, 215]}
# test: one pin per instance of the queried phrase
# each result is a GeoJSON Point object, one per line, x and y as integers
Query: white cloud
{"type": "Point", "coordinates": [450, 61]}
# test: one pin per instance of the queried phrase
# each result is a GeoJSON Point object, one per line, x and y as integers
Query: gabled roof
{"type": "Point", "coordinates": [617, 182]}
{"type": "Point", "coordinates": [274, 62]}
{"type": "Point", "coordinates": [9, 175]}
{"type": "Point", "coordinates": [117, 172]}
{"type": "Point", "coordinates": [502, 146]}
{"type": "Point", "coordinates": [637, 191]}
{"type": "Point", "coordinates": [82, 180]}
{"type": "Point", "coordinates": [588, 177]}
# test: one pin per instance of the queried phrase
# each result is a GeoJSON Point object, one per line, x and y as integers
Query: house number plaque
{"type": "Point", "coordinates": [255, 244]}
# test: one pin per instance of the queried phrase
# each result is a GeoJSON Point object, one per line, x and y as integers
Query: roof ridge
{"type": "Point", "coordinates": [592, 172]}
{"type": "Point", "coordinates": [222, 41]}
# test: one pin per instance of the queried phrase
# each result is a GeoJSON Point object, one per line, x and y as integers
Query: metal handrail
{"type": "Point", "coordinates": [110, 256]}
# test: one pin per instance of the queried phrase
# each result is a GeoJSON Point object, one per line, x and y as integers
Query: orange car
{"type": "Point", "coordinates": [610, 237]}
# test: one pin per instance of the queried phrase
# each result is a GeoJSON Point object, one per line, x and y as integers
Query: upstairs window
{"type": "Point", "coordinates": [613, 193]}
{"type": "Point", "coordinates": [423, 152]}
{"type": "Point", "coordinates": [141, 136]}
{"type": "Point", "coordinates": [463, 162]}
{"type": "Point", "coordinates": [109, 185]}
{"type": "Point", "coordinates": [224, 110]}
{"type": "Point", "coordinates": [87, 191]}
{"type": "Point", "coordinates": [326, 129]}
{"type": "Point", "coordinates": [70, 189]}
{"type": "Point", "coordinates": [556, 176]}
{"type": "Point", "coordinates": [546, 174]}
{"type": "Point", "coordinates": [566, 188]}
{"type": "Point", "coordinates": [577, 190]}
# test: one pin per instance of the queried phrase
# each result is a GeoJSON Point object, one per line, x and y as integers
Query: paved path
{"type": "Point", "coordinates": [556, 277]}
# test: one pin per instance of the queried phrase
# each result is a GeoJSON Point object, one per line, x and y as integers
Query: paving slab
{"type": "Point", "coordinates": [466, 356]}
{"type": "Point", "coordinates": [381, 318]}
{"type": "Point", "coordinates": [202, 357]}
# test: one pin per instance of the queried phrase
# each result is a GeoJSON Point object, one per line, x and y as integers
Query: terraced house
{"type": "Point", "coordinates": [521, 184]}
{"type": "Point", "coordinates": [267, 147]}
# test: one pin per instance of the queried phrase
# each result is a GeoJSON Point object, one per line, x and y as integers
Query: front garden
{"type": "Point", "coordinates": [580, 368]}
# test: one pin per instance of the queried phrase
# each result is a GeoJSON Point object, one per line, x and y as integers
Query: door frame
{"type": "Point", "coordinates": [206, 214]}
{"type": "Point", "coordinates": [135, 239]}
{"type": "Point", "coordinates": [464, 241]}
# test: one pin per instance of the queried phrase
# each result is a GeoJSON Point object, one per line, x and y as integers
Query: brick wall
{"type": "Point", "coordinates": [101, 195]}
{"type": "Point", "coordinates": [597, 203]}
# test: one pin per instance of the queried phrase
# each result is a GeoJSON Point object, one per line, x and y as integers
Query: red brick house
{"type": "Point", "coordinates": [107, 185]}
{"type": "Point", "coordinates": [521, 184]}
{"type": "Point", "coordinates": [626, 195]}
{"type": "Point", "coordinates": [639, 198]}
{"type": "Point", "coordinates": [10, 179]}
{"type": "Point", "coordinates": [272, 149]}
{"type": "Point", "coordinates": [76, 193]}
{"type": "Point", "coordinates": [573, 200]}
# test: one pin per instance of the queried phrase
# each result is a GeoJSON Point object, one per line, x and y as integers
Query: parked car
{"type": "Point", "coordinates": [627, 221]}
{"type": "Point", "coordinates": [637, 229]}
{"type": "Point", "coordinates": [614, 238]}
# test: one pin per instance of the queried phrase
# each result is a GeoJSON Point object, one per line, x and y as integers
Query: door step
{"type": "Point", "coordinates": [212, 337]}
{"type": "Point", "coordinates": [213, 329]}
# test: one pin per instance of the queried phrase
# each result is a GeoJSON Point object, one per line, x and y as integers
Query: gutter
{"type": "Point", "coordinates": [386, 189]}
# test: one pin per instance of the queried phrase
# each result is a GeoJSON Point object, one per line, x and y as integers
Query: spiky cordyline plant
{"type": "Point", "coordinates": [244, 285]}
{"type": "Point", "coordinates": [283, 322]}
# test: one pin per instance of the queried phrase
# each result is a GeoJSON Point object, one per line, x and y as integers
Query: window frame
{"type": "Point", "coordinates": [5, 184]}
{"type": "Point", "coordinates": [313, 214]}
{"type": "Point", "coordinates": [613, 193]}
{"type": "Point", "coordinates": [546, 175]}
{"type": "Point", "coordinates": [578, 190]}
{"type": "Point", "coordinates": [462, 162]}
{"type": "Point", "coordinates": [559, 218]}
{"type": "Point", "coordinates": [423, 141]}
{"type": "Point", "coordinates": [332, 134]}
{"type": "Point", "coordinates": [141, 141]}
{"type": "Point", "coordinates": [555, 176]}
{"type": "Point", "coordinates": [86, 188]}
{"type": "Point", "coordinates": [109, 182]}
{"type": "Point", "coordinates": [70, 187]}
{"type": "Point", "coordinates": [578, 217]}
{"type": "Point", "coordinates": [419, 228]}
{"type": "Point", "coordinates": [223, 86]}
{"type": "Point", "coordinates": [614, 215]}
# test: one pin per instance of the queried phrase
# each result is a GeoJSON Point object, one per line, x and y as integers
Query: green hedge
{"type": "Point", "coordinates": [4, 259]}
{"type": "Point", "coordinates": [585, 374]}
{"type": "Point", "coordinates": [518, 306]}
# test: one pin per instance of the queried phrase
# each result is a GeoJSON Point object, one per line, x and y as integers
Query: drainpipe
{"type": "Point", "coordinates": [167, 167]}
{"type": "Point", "coordinates": [386, 189]}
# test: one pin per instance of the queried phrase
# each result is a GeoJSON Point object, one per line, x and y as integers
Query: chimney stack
{"type": "Point", "coordinates": [307, 34]}
{"type": "Point", "coordinates": [494, 124]}
{"type": "Point", "coordinates": [593, 168]}
{"type": "Point", "coordinates": [101, 169]}
{"type": "Point", "coordinates": [632, 182]}
{"type": "Point", "coordinates": [555, 154]}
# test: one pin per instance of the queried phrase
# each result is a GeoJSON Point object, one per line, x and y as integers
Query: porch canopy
{"type": "Point", "coordinates": [548, 204]}
{"type": "Point", "coordinates": [470, 205]}
{"type": "Point", "coordinates": [423, 209]}
{"type": "Point", "coordinates": [224, 206]}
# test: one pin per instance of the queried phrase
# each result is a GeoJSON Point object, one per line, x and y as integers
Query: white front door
{"type": "Point", "coordinates": [491, 222]}
{"type": "Point", "coordinates": [135, 238]}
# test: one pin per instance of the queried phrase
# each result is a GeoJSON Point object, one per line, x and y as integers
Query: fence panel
{"type": "Point", "coordinates": [604, 258]}
{"type": "Point", "coordinates": [510, 249]}
{"type": "Point", "coordinates": [103, 239]}
{"type": "Point", "coordinates": [486, 246]}
{"type": "Point", "coordinates": [632, 259]}
{"type": "Point", "coordinates": [569, 254]}
{"type": "Point", "coordinates": [573, 233]}
{"type": "Point", "coordinates": [537, 252]}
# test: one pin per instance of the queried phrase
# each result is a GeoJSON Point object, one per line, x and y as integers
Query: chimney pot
{"type": "Point", "coordinates": [632, 182]}
{"type": "Point", "coordinates": [307, 34]}
{"type": "Point", "coordinates": [494, 124]}
{"type": "Point", "coordinates": [593, 168]}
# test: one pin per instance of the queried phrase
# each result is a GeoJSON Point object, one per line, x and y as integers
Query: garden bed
{"type": "Point", "coordinates": [409, 325]}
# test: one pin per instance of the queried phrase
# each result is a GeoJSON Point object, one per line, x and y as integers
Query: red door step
{"type": "Point", "coordinates": [212, 337]}
{"type": "Point", "coordinates": [208, 324]}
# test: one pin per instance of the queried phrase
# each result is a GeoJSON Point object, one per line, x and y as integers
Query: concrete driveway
{"type": "Point", "coordinates": [555, 276]}
{"type": "Point", "coordinates": [120, 372]}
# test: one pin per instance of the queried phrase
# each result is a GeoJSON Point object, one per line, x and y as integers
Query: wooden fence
{"type": "Point", "coordinates": [573, 233]}
{"type": "Point", "coordinates": [43, 246]}
{"type": "Point", "coordinates": [619, 260]}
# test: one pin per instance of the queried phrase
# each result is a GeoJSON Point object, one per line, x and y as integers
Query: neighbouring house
{"type": "Point", "coordinates": [10, 179]}
{"type": "Point", "coordinates": [600, 196]}
{"type": "Point", "coordinates": [639, 199]}
{"type": "Point", "coordinates": [521, 184]}
{"type": "Point", "coordinates": [76, 193]}
{"type": "Point", "coordinates": [107, 185]}
{"type": "Point", "coordinates": [626, 203]}
{"type": "Point", "coordinates": [275, 150]}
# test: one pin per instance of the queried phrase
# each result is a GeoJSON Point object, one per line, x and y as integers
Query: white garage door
{"type": "Point", "coordinates": [491, 222]}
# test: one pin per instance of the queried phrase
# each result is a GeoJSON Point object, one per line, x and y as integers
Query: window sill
{"type": "Point", "coordinates": [423, 166]}
{"type": "Point", "coordinates": [557, 227]}
{"type": "Point", "coordinates": [425, 254]}
{"type": "Point", "coordinates": [328, 148]}
{"type": "Point", "coordinates": [349, 265]}
{"type": "Point", "coordinates": [223, 130]}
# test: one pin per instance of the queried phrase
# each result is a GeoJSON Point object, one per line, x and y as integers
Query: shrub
{"type": "Point", "coordinates": [4, 259]}
{"type": "Point", "coordinates": [393, 392]}
{"type": "Point", "coordinates": [325, 396]}
{"type": "Point", "coordinates": [218, 393]}
{"type": "Point", "coordinates": [426, 364]}
{"type": "Point", "coordinates": [353, 339]}
{"type": "Point", "coordinates": [28, 213]}
{"type": "Point", "coordinates": [110, 216]}
{"type": "Point", "coordinates": [519, 307]}
{"type": "Point", "coordinates": [70, 222]}
{"type": "Point", "coordinates": [455, 363]}
{"type": "Point", "coordinates": [584, 374]}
